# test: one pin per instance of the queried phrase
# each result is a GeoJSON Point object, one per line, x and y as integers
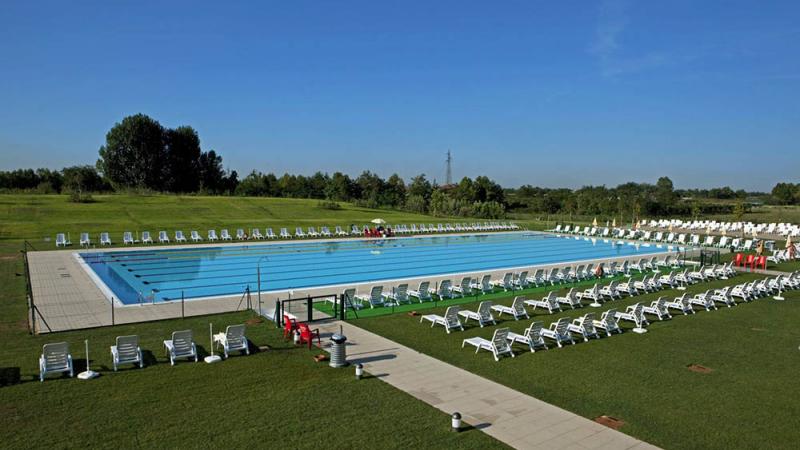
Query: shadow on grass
{"type": "Point", "coordinates": [9, 376]}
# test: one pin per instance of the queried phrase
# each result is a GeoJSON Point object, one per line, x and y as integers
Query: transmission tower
{"type": "Point", "coordinates": [449, 174]}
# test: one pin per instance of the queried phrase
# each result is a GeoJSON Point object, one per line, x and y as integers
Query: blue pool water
{"type": "Point", "coordinates": [205, 271]}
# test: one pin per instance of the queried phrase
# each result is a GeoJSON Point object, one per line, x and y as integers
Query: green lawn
{"type": "Point", "coordinates": [748, 401]}
{"type": "Point", "coordinates": [276, 397]}
{"type": "Point", "coordinates": [38, 218]}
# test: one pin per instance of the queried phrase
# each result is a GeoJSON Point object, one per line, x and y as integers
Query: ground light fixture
{"type": "Point", "coordinates": [87, 374]}
{"type": "Point", "coordinates": [779, 296]}
{"type": "Point", "coordinates": [359, 371]}
{"type": "Point", "coordinates": [212, 358]}
{"type": "Point", "coordinates": [455, 422]}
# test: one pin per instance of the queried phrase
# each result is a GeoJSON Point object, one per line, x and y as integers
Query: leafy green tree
{"type": "Point", "coordinates": [134, 155]}
{"type": "Point", "coordinates": [183, 160]}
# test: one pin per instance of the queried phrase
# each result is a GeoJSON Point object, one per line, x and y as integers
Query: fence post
{"type": "Point", "coordinates": [278, 314]}
{"type": "Point", "coordinates": [182, 306]}
{"type": "Point", "coordinates": [309, 311]}
{"type": "Point", "coordinates": [113, 320]}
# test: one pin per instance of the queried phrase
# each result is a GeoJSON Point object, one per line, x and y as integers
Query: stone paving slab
{"type": "Point", "coordinates": [510, 416]}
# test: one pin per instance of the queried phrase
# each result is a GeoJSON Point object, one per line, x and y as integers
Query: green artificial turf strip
{"type": "Point", "coordinates": [749, 400]}
{"type": "Point", "coordinates": [278, 397]}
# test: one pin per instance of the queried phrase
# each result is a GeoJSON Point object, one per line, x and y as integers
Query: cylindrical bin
{"type": "Point", "coordinates": [338, 353]}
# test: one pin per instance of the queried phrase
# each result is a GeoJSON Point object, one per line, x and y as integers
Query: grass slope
{"type": "Point", "coordinates": [40, 217]}
{"type": "Point", "coordinates": [748, 401]}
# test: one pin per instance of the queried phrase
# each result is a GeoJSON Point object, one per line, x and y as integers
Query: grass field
{"type": "Point", "coordinates": [277, 397]}
{"type": "Point", "coordinates": [747, 401]}
{"type": "Point", "coordinates": [282, 397]}
{"type": "Point", "coordinates": [38, 218]}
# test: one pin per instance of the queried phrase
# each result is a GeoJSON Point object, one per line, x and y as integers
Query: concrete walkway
{"type": "Point", "coordinates": [514, 418]}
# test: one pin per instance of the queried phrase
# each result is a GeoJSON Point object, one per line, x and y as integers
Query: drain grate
{"type": "Point", "coordinates": [65, 275]}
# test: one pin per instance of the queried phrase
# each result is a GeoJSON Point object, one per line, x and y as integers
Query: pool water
{"type": "Point", "coordinates": [153, 275]}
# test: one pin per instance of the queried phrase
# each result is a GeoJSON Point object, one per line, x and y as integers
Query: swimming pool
{"type": "Point", "coordinates": [161, 275]}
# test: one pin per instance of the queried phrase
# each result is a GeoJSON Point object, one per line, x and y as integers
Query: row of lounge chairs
{"type": "Point", "coordinates": [510, 281]}
{"type": "Point", "coordinates": [56, 357]}
{"type": "Point", "coordinates": [749, 228]}
{"type": "Point", "coordinates": [564, 331]}
{"type": "Point", "coordinates": [574, 298]}
{"type": "Point", "coordinates": [669, 237]}
{"type": "Point", "coordinates": [62, 239]}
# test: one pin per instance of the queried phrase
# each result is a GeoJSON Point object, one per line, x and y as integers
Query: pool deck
{"type": "Point", "coordinates": [67, 298]}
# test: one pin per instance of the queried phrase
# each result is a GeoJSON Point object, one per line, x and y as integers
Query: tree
{"type": "Point", "coordinates": [83, 179]}
{"type": "Point", "coordinates": [785, 193]}
{"type": "Point", "coordinates": [340, 188]}
{"type": "Point", "coordinates": [210, 172]}
{"type": "Point", "coordinates": [394, 192]}
{"type": "Point", "coordinates": [134, 155]}
{"type": "Point", "coordinates": [665, 194]}
{"type": "Point", "coordinates": [183, 160]}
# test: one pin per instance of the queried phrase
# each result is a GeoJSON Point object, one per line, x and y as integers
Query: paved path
{"type": "Point", "coordinates": [517, 419]}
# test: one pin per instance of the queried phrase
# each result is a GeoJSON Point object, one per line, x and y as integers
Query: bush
{"type": "Point", "coordinates": [328, 204]}
{"type": "Point", "coordinates": [79, 197]}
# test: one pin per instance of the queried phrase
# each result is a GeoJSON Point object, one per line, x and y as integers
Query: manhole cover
{"type": "Point", "coordinates": [610, 422]}
{"type": "Point", "coordinates": [65, 275]}
{"type": "Point", "coordinates": [698, 368]}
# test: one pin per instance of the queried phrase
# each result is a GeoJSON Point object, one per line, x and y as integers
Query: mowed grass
{"type": "Point", "coordinates": [277, 397]}
{"type": "Point", "coordinates": [38, 218]}
{"type": "Point", "coordinates": [749, 400]}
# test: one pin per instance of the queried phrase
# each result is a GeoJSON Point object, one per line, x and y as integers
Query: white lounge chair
{"type": "Point", "coordinates": [608, 322]}
{"type": "Point", "coordinates": [505, 283]}
{"type": "Point", "coordinates": [212, 235]}
{"type": "Point", "coordinates": [635, 314]}
{"type": "Point", "coordinates": [255, 233]}
{"type": "Point", "coordinates": [499, 344]}
{"type": "Point", "coordinates": [55, 358]}
{"type": "Point", "coordinates": [704, 300]}
{"type": "Point", "coordinates": [312, 232]}
{"type": "Point", "coordinates": [179, 237]}
{"type": "Point", "coordinates": [195, 236]}
{"type": "Point", "coordinates": [464, 289]}
{"type": "Point", "coordinates": [422, 293]}
{"type": "Point", "coordinates": [355, 231]}
{"type": "Point", "coordinates": [484, 285]}
{"type": "Point", "coordinates": [444, 290]}
{"type": "Point", "coordinates": [483, 315]}
{"type": "Point", "coordinates": [374, 298]}
{"type": "Point", "coordinates": [162, 237]}
{"type": "Point", "coordinates": [584, 326]}
{"type": "Point", "coordinates": [127, 238]}
{"type": "Point", "coordinates": [85, 240]}
{"type": "Point", "coordinates": [549, 302]}
{"type": "Point", "coordinates": [285, 234]}
{"type": "Point", "coordinates": [225, 235]}
{"type": "Point", "coordinates": [271, 234]}
{"type": "Point", "coordinates": [126, 351]}
{"type": "Point", "coordinates": [450, 320]}
{"type": "Point", "coordinates": [299, 233]}
{"type": "Point", "coordinates": [724, 296]}
{"type": "Point", "coordinates": [339, 231]}
{"type": "Point", "coordinates": [325, 231]}
{"type": "Point", "coordinates": [681, 304]}
{"type": "Point", "coordinates": [105, 239]}
{"type": "Point", "coordinates": [559, 332]}
{"type": "Point", "coordinates": [232, 339]}
{"type": "Point", "coordinates": [181, 346]}
{"type": "Point", "coordinates": [398, 296]}
{"type": "Point", "coordinates": [532, 337]}
{"type": "Point", "coordinates": [516, 310]}
{"type": "Point", "coordinates": [61, 240]}
{"type": "Point", "coordinates": [240, 236]}
{"type": "Point", "coordinates": [571, 299]}
{"type": "Point", "coordinates": [658, 308]}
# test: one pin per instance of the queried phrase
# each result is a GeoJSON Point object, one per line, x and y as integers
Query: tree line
{"type": "Point", "coordinates": [140, 154]}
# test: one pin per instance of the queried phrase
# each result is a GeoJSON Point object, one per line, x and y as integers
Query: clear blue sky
{"type": "Point", "coordinates": [541, 92]}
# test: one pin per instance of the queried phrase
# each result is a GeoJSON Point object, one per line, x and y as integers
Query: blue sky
{"type": "Point", "coordinates": [547, 93]}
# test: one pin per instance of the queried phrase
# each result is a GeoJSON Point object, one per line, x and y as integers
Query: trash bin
{"type": "Point", "coordinates": [338, 353]}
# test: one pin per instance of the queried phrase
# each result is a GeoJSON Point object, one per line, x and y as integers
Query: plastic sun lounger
{"type": "Point", "coordinates": [450, 320]}
{"type": "Point", "coordinates": [498, 345]}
